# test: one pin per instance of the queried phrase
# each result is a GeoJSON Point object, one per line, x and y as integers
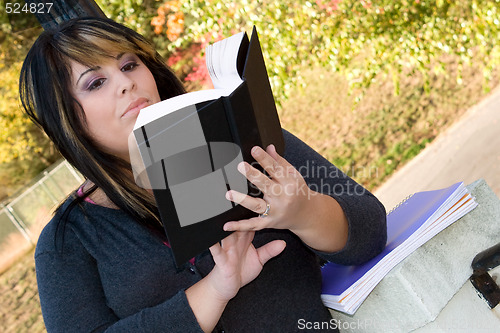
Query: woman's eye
{"type": "Point", "coordinates": [129, 66]}
{"type": "Point", "coordinates": [96, 84]}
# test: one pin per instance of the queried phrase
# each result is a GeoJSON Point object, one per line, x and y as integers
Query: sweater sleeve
{"type": "Point", "coordinates": [73, 300]}
{"type": "Point", "coordinates": [365, 213]}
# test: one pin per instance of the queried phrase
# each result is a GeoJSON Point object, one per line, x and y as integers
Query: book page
{"type": "Point", "coordinates": [160, 109]}
{"type": "Point", "coordinates": [221, 59]}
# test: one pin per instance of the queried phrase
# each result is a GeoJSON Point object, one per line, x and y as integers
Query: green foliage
{"type": "Point", "coordinates": [362, 43]}
{"type": "Point", "coordinates": [371, 46]}
{"type": "Point", "coordinates": [371, 138]}
{"type": "Point", "coordinates": [360, 39]}
{"type": "Point", "coordinates": [135, 14]}
{"type": "Point", "coordinates": [24, 149]}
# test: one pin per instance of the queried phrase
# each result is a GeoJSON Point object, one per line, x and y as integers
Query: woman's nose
{"type": "Point", "coordinates": [126, 84]}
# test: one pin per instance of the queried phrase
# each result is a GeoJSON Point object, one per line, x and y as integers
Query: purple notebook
{"type": "Point", "coordinates": [423, 215]}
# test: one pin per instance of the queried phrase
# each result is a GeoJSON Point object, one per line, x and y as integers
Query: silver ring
{"type": "Point", "coordinates": [266, 212]}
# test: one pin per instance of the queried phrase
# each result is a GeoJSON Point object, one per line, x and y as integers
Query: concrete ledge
{"type": "Point", "coordinates": [466, 312]}
{"type": "Point", "coordinates": [415, 291]}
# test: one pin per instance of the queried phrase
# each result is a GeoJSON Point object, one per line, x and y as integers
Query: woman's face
{"type": "Point", "coordinates": [111, 95]}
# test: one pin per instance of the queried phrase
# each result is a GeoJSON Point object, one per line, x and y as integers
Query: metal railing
{"type": "Point", "coordinates": [26, 214]}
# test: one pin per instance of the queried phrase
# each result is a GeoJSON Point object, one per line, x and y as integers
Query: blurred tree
{"type": "Point", "coordinates": [24, 149]}
{"type": "Point", "coordinates": [135, 14]}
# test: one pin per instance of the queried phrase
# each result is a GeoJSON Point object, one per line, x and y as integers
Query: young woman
{"type": "Point", "coordinates": [103, 263]}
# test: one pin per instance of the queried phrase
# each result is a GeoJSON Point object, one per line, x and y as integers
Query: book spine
{"type": "Point", "coordinates": [261, 95]}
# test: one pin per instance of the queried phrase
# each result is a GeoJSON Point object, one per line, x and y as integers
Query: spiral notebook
{"type": "Point", "coordinates": [410, 224]}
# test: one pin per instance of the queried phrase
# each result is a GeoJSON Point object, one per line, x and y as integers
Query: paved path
{"type": "Point", "coordinates": [467, 151]}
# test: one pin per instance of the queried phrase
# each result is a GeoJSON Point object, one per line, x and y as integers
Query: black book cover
{"type": "Point", "coordinates": [189, 184]}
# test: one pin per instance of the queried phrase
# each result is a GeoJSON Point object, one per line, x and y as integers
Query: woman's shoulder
{"type": "Point", "coordinates": [58, 227]}
{"type": "Point", "coordinates": [71, 220]}
{"type": "Point", "coordinates": [76, 224]}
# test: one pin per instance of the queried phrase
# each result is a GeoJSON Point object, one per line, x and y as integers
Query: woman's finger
{"type": "Point", "coordinates": [217, 253]}
{"type": "Point", "coordinates": [256, 177]}
{"type": "Point", "coordinates": [270, 250]}
{"type": "Point", "coordinates": [252, 224]}
{"type": "Point", "coordinates": [286, 167]}
{"type": "Point", "coordinates": [256, 205]}
{"type": "Point", "coordinates": [271, 150]}
{"type": "Point", "coordinates": [268, 163]}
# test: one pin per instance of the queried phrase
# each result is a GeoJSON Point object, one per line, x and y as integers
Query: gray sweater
{"type": "Point", "coordinates": [110, 273]}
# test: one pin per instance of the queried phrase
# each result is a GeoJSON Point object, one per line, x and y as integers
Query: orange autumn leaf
{"type": "Point", "coordinates": [169, 14]}
{"type": "Point", "coordinates": [175, 25]}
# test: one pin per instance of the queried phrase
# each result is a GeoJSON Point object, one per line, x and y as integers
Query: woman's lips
{"type": "Point", "coordinates": [134, 107]}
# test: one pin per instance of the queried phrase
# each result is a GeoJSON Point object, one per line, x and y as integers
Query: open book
{"type": "Point", "coordinates": [186, 148]}
{"type": "Point", "coordinates": [409, 225]}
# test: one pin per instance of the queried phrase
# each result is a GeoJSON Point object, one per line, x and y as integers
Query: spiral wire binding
{"type": "Point", "coordinates": [400, 203]}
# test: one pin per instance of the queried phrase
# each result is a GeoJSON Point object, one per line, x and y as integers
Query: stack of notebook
{"type": "Point", "coordinates": [413, 222]}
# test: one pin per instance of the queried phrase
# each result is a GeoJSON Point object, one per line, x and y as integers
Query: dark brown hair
{"type": "Point", "coordinates": [45, 96]}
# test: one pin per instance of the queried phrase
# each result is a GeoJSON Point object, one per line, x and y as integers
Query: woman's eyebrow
{"type": "Point", "coordinates": [88, 70]}
{"type": "Point", "coordinates": [97, 67]}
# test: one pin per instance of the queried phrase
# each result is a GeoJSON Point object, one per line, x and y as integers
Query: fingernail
{"type": "Point", "coordinates": [272, 147]}
{"type": "Point", "coordinates": [229, 196]}
{"type": "Point", "coordinates": [256, 150]}
{"type": "Point", "coordinates": [242, 167]}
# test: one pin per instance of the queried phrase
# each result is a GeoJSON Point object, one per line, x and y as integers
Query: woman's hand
{"type": "Point", "coordinates": [288, 203]}
{"type": "Point", "coordinates": [237, 262]}
{"type": "Point", "coordinates": [285, 191]}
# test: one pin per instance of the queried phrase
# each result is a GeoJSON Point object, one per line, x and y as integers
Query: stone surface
{"type": "Point", "coordinates": [466, 312]}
